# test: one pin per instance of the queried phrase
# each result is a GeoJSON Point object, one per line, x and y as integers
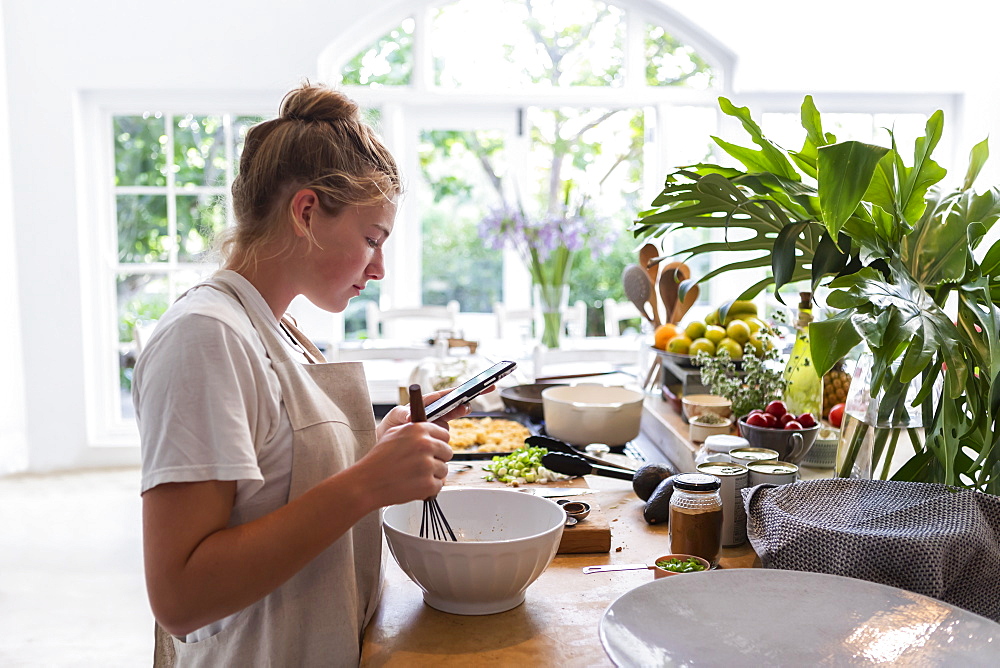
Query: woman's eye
{"type": "Point", "coordinates": [373, 242]}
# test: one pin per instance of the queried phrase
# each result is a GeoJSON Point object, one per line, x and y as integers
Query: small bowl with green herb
{"type": "Point", "coordinates": [672, 564]}
{"type": "Point", "coordinates": [702, 426]}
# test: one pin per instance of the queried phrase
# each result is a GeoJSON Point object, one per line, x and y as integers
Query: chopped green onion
{"type": "Point", "coordinates": [521, 466]}
{"type": "Point", "coordinates": [677, 566]}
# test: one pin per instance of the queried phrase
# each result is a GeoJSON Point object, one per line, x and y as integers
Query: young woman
{"type": "Point", "coordinates": [263, 468]}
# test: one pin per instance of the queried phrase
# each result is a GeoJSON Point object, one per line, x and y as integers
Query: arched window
{"type": "Point", "coordinates": [558, 102]}
{"type": "Point", "coordinates": [484, 103]}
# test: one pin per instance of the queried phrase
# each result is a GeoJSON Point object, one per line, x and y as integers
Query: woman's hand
{"type": "Point", "coordinates": [400, 415]}
{"type": "Point", "coordinates": [409, 462]}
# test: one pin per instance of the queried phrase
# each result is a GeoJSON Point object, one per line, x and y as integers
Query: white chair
{"type": "Point", "coordinates": [515, 324]}
{"type": "Point", "coordinates": [575, 320]}
{"type": "Point", "coordinates": [520, 323]}
{"type": "Point", "coordinates": [615, 313]}
{"type": "Point", "coordinates": [412, 324]}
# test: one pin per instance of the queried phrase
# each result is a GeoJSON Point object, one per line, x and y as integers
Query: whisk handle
{"type": "Point", "coordinates": [417, 413]}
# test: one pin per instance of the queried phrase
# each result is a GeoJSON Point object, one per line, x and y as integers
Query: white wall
{"type": "Point", "coordinates": [13, 439]}
{"type": "Point", "coordinates": [58, 49]}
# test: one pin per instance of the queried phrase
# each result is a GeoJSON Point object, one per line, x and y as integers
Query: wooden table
{"type": "Point", "coordinates": [557, 625]}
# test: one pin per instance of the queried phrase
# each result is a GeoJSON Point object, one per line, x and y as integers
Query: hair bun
{"type": "Point", "coordinates": [317, 102]}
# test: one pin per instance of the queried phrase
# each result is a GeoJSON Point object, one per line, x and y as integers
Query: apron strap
{"type": "Point", "coordinates": [311, 352]}
{"type": "Point", "coordinates": [164, 655]}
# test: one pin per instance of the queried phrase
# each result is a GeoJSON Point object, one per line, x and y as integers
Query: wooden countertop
{"type": "Point", "coordinates": [557, 625]}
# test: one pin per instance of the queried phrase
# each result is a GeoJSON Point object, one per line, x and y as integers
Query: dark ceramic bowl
{"type": "Point", "coordinates": [792, 445]}
{"type": "Point", "coordinates": [526, 399]}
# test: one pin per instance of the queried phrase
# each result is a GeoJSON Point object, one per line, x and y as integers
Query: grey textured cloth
{"type": "Point", "coordinates": [929, 539]}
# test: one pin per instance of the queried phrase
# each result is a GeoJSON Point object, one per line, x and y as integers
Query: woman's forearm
{"type": "Point", "coordinates": [228, 569]}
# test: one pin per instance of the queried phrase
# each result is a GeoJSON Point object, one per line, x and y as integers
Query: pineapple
{"type": "Point", "coordinates": [835, 384]}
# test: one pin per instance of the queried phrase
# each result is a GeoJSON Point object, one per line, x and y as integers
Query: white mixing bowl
{"type": "Point", "coordinates": [505, 540]}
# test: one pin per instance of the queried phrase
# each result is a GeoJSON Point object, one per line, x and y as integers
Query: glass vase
{"type": "Point", "coordinates": [876, 439]}
{"type": "Point", "coordinates": [552, 301]}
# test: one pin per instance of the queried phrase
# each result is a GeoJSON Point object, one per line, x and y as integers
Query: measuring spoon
{"type": "Point", "coordinates": [657, 571]}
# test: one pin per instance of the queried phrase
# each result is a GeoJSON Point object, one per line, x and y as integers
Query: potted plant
{"type": "Point", "coordinates": [899, 256]}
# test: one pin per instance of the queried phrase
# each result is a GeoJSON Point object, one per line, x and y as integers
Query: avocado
{"type": "Point", "coordinates": [657, 509]}
{"type": "Point", "coordinates": [648, 476]}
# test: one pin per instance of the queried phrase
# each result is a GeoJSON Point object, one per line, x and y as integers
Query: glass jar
{"type": "Point", "coordinates": [877, 437]}
{"type": "Point", "coordinates": [695, 523]}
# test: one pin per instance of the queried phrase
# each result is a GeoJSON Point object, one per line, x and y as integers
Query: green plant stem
{"type": "Point", "coordinates": [888, 456]}
{"type": "Point", "coordinates": [852, 451]}
{"type": "Point", "coordinates": [881, 436]}
{"type": "Point", "coordinates": [918, 446]}
{"type": "Point", "coordinates": [552, 323]}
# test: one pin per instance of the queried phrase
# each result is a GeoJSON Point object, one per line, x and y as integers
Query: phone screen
{"type": "Point", "coordinates": [469, 390]}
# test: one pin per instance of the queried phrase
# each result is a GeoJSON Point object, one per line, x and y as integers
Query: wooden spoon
{"type": "Point", "coordinates": [684, 305]}
{"type": "Point", "coordinates": [670, 278]}
{"type": "Point", "coordinates": [647, 254]}
{"type": "Point", "coordinates": [637, 288]}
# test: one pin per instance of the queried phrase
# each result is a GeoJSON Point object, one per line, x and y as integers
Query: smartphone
{"type": "Point", "coordinates": [469, 390]}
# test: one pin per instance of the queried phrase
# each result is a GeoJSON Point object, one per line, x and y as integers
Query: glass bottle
{"type": "Point", "coordinates": [695, 522]}
{"type": "Point", "coordinates": [803, 385]}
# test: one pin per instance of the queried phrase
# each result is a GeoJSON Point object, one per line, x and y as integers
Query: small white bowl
{"type": "Point", "coordinates": [699, 404]}
{"type": "Point", "coordinates": [698, 431]}
{"type": "Point", "coordinates": [506, 539]}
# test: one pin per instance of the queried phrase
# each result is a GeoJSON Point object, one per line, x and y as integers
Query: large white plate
{"type": "Point", "coordinates": [758, 617]}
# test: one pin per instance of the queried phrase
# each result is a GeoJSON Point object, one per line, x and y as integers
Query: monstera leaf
{"type": "Point", "coordinates": [898, 251]}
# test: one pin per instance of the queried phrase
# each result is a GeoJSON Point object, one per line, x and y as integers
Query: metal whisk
{"type": "Point", "coordinates": [433, 523]}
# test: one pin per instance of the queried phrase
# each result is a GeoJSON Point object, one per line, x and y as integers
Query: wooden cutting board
{"type": "Point", "coordinates": [589, 536]}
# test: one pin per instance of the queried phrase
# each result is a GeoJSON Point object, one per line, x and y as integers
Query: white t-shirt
{"type": "Point", "coordinates": [208, 404]}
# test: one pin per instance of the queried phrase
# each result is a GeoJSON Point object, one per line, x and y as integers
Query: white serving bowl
{"type": "Point", "coordinates": [505, 540]}
{"type": "Point", "coordinates": [590, 413]}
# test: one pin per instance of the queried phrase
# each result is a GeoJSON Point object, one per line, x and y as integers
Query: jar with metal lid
{"type": "Point", "coordinates": [696, 516]}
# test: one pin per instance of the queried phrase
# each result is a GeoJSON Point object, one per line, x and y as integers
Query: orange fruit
{"type": "Point", "coordinates": [663, 334]}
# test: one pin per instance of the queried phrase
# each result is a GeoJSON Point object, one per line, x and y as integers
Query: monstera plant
{"type": "Point", "coordinates": [900, 256]}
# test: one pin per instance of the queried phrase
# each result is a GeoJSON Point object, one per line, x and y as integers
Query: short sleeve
{"type": "Point", "coordinates": [198, 395]}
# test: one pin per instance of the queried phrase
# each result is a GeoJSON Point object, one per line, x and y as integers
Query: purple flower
{"type": "Point", "coordinates": [537, 239]}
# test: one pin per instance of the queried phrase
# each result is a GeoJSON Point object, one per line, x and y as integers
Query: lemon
{"type": "Point", "coordinates": [756, 324]}
{"type": "Point", "coordinates": [738, 331]}
{"type": "Point", "coordinates": [663, 334]}
{"type": "Point", "coordinates": [695, 330]}
{"type": "Point", "coordinates": [680, 344]}
{"type": "Point", "coordinates": [702, 345]}
{"type": "Point", "coordinates": [734, 348]}
{"type": "Point", "coordinates": [755, 344]}
{"type": "Point", "coordinates": [715, 333]}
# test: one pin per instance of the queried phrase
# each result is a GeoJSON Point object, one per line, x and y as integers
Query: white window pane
{"type": "Point", "coordinates": [501, 44]}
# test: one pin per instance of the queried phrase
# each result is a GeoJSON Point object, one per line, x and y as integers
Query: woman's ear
{"type": "Point", "coordinates": [304, 205]}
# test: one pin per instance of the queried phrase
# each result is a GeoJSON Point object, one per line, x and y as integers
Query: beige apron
{"type": "Point", "coordinates": [316, 618]}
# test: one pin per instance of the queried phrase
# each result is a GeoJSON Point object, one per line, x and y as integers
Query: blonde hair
{"type": "Point", "coordinates": [318, 141]}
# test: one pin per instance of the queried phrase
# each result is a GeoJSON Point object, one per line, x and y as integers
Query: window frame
{"type": "Point", "coordinates": [106, 426]}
